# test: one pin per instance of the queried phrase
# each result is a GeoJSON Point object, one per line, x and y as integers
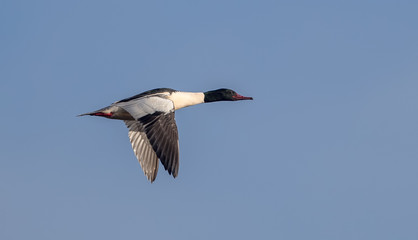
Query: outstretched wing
{"type": "Point", "coordinates": [161, 131]}
{"type": "Point", "coordinates": [143, 149]}
{"type": "Point", "coordinates": [156, 124]}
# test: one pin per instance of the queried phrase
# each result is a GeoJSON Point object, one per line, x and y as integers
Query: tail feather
{"type": "Point", "coordinates": [90, 113]}
{"type": "Point", "coordinates": [100, 112]}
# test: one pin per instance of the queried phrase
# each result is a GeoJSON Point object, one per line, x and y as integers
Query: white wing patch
{"type": "Point", "coordinates": [147, 105]}
{"type": "Point", "coordinates": [143, 149]}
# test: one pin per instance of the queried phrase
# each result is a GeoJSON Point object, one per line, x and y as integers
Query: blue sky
{"type": "Point", "coordinates": [327, 149]}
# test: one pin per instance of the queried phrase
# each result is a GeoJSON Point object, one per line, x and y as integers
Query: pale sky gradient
{"type": "Point", "coordinates": [327, 149]}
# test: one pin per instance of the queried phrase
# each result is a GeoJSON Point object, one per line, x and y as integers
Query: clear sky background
{"type": "Point", "coordinates": [327, 149]}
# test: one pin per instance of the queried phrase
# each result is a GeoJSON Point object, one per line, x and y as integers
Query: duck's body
{"type": "Point", "coordinates": [152, 127]}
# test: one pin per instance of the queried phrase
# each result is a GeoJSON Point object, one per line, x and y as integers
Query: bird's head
{"type": "Point", "coordinates": [224, 94]}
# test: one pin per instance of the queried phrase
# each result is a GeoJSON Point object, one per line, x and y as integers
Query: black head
{"type": "Point", "coordinates": [224, 94]}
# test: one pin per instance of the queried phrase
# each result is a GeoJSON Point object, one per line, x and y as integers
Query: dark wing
{"type": "Point", "coordinates": [161, 130]}
{"type": "Point", "coordinates": [143, 149]}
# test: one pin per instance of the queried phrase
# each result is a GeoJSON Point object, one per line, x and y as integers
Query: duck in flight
{"type": "Point", "coordinates": [149, 117]}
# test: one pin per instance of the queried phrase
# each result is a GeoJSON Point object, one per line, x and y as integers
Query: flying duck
{"type": "Point", "coordinates": [149, 117]}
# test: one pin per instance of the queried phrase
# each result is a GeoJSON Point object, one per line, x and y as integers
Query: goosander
{"type": "Point", "coordinates": [149, 117]}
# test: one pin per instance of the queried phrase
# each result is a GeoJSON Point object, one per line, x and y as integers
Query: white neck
{"type": "Point", "coordinates": [185, 99]}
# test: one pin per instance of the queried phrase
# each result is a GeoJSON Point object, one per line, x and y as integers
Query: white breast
{"type": "Point", "coordinates": [185, 99]}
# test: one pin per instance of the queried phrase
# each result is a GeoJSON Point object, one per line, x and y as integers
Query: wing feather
{"type": "Point", "coordinates": [143, 149]}
{"type": "Point", "coordinates": [161, 130]}
{"type": "Point", "coordinates": [156, 126]}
